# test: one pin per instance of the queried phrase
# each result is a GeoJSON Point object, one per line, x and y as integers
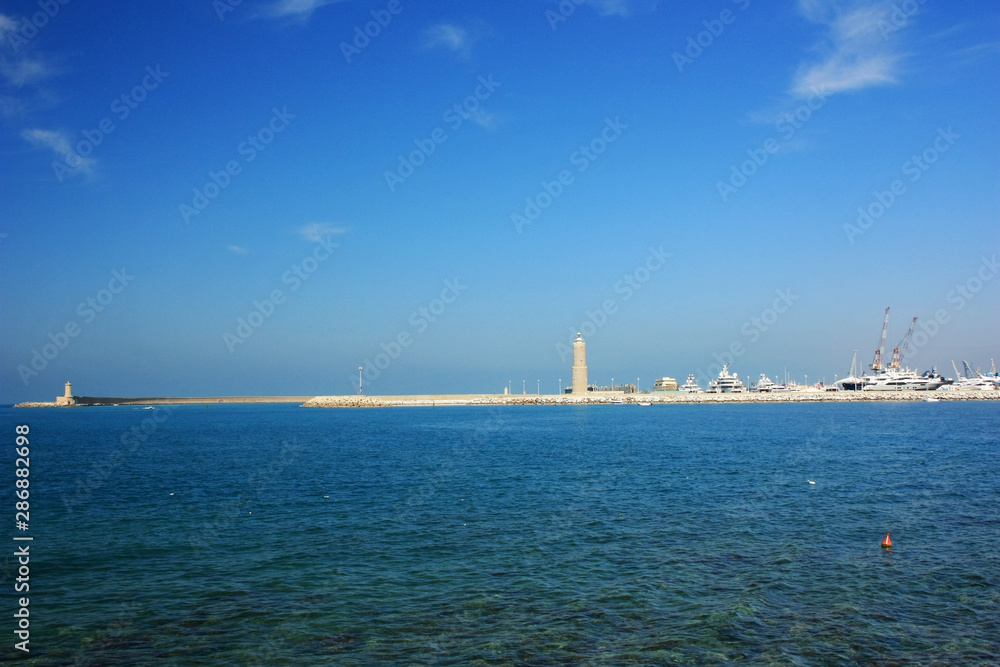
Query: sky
{"type": "Point", "coordinates": [256, 198]}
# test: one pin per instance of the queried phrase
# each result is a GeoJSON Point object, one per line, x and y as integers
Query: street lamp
{"type": "Point", "coordinates": [560, 386]}
{"type": "Point", "coordinates": [539, 387]}
{"type": "Point", "coordinates": [361, 388]}
{"type": "Point", "coordinates": [612, 384]}
{"type": "Point", "coordinates": [524, 389]}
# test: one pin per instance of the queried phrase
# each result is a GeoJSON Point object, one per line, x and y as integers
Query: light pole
{"type": "Point", "coordinates": [612, 384]}
{"type": "Point", "coordinates": [524, 388]}
{"type": "Point", "coordinates": [560, 386]}
{"type": "Point", "coordinates": [508, 387]}
{"type": "Point", "coordinates": [361, 387]}
{"type": "Point", "coordinates": [539, 387]}
{"type": "Point", "coordinates": [637, 385]}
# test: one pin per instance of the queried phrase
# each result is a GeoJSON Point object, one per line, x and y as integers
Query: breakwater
{"type": "Point", "coordinates": [433, 400]}
{"type": "Point", "coordinates": [635, 399]}
{"type": "Point", "coordinates": [85, 401]}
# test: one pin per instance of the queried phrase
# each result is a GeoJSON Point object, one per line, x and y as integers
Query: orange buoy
{"type": "Point", "coordinates": [887, 543]}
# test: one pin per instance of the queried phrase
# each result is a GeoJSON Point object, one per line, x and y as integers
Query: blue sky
{"type": "Point", "coordinates": [469, 184]}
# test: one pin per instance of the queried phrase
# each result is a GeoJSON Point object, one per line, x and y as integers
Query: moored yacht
{"type": "Point", "coordinates": [726, 383]}
{"type": "Point", "coordinates": [691, 387]}
{"type": "Point", "coordinates": [903, 380]}
{"type": "Point", "coordinates": [763, 384]}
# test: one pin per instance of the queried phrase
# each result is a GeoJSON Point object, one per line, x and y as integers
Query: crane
{"type": "Point", "coordinates": [876, 364]}
{"type": "Point", "coordinates": [900, 351]}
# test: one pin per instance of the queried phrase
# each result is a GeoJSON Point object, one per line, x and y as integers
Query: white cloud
{"type": "Point", "coordinates": [238, 249]}
{"type": "Point", "coordinates": [855, 54]}
{"type": "Point", "coordinates": [610, 7]}
{"type": "Point", "coordinates": [7, 25]}
{"type": "Point", "coordinates": [24, 71]}
{"type": "Point", "coordinates": [59, 143]}
{"type": "Point", "coordinates": [452, 37]}
{"type": "Point", "coordinates": [295, 8]}
{"type": "Point", "coordinates": [484, 119]}
{"type": "Point", "coordinates": [622, 8]}
{"type": "Point", "coordinates": [317, 231]}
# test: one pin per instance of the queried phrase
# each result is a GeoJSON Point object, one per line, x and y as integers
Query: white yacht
{"type": "Point", "coordinates": [763, 384]}
{"type": "Point", "coordinates": [971, 384]}
{"type": "Point", "coordinates": [853, 381]}
{"type": "Point", "coordinates": [691, 387]}
{"type": "Point", "coordinates": [903, 380]}
{"type": "Point", "coordinates": [971, 381]}
{"type": "Point", "coordinates": [726, 383]}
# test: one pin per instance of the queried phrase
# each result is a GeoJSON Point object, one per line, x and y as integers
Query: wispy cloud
{"type": "Point", "coordinates": [622, 8]}
{"type": "Point", "coordinates": [317, 231]}
{"type": "Point", "coordinates": [449, 36]}
{"type": "Point", "coordinates": [23, 71]}
{"type": "Point", "coordinates": [59, 143]}
{"type": "Point", "coordinates": [7, 25]}
{"type": "Point", "coordinates": [239, 250]}
{"type": "Point", "coordinates": [295, 8]}
{"type": "Point", "coordinates": [610, 7]}
{"type": "Point", "coordinates": [484, 119]}
{"type": "Point", "coordinates": [855, 53]}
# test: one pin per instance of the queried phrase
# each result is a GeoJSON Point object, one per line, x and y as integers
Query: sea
{"type": "Point", "coordinates": [508, 535]}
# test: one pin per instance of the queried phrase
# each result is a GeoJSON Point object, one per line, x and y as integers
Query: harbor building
{"type": "Point", "coordinates": [665, 384]}
{"type": "Point", "coordinates": [579, 366]}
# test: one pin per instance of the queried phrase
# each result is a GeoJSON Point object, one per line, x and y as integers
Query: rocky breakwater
{"type": "Point", "coordinates": [345, 402]}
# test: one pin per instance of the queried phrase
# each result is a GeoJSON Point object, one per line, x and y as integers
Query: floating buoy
{"type": "Point", "coordinates": [887, 543]}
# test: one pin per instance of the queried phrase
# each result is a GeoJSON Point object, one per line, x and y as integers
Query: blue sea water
{"type": "Point", "coordinates": [556, 535]}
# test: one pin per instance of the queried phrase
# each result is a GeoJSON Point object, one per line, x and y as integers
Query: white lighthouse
{"type": "Point", "coordinates": [579, 366]}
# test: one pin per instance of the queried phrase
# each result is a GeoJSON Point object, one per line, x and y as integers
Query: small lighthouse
{"type": "Point", "coordinates": [579, 366]}
{"type": "Point", "coordinates": [67, 397]}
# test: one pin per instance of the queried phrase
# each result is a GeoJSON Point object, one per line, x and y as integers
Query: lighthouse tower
{"type": "Point", "coordinates": [579, 366]}
{"type": "Point", "coordinates": [67, 397]}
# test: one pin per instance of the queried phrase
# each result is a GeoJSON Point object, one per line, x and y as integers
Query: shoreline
{"type": "Point", "coordinates": [434, 400]}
